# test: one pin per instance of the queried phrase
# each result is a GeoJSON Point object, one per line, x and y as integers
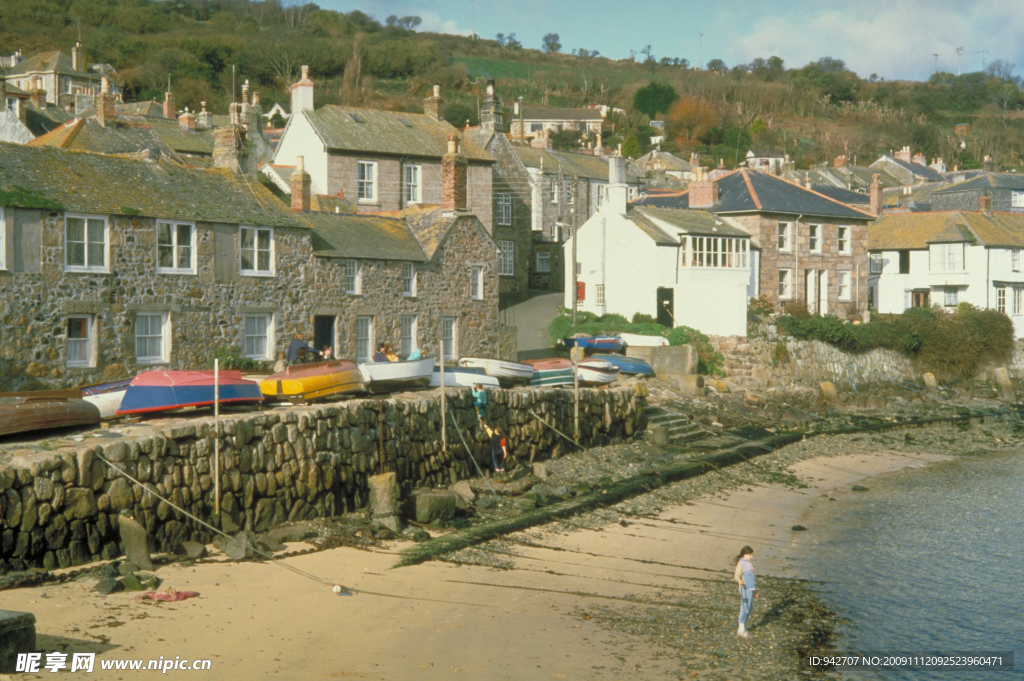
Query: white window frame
{"type": "Point", "coordinates": [1016, 199]}
{"type": "Point", "coordinates": [504, 202]}
{"type": "Point", "coordinates": [599, 294]}
{"type": "Point", "coordinates": [255, 270]}
{"type": "Point", "coordinates": [718, 252]}
{"type": "Point", "coordinates": [353, 278]}
{"type": "Point", "coordinates": [843, 240]}
{"type": "Point", "coordinates": [951, 296]}
{"type": "Point", "coordinates": [545, 258]}
{"type": "Point", "coordinates": [1014, 257]}
{"type": "Point", "coordinates": [785, 284]}
{"type": "Point", "coordinates": [366, 189]}
{"type": "Point", "coordinates": [88, 343]}
{"type": "Point", "coordinates": [1018, 293]}
{"type": "Point", "coordinates": [413, 184]}
{"type": "Point", "coordinates": [875, 263]}
{"type": "Point", "coordinates": [364, 334]}
{"type": "Point", "coordinates": [407, 341]}
{"type": "Point", "coordinates": [449, 338]}
{"type": "Point", "coordinates": [408, 279]}
{"type": "Point", "coordinates": [476, 282]}
{"type": "Point", "coordinates": [814, 237]}
{"type": "Point", "coordinates": [946, 257]}
{"type": "Point", "coordinates": [599, 200]}
{"type": "Point", "coordinates": [844, 285]}
{"type": "Point", "coordinates": [87, 266]}
{"type": "Point", "coordinates": [785, 237]}
{"type": "Point", "coordinates": [175, 246]}
{"type": "Point", "coordinates": [162, 335]}
{"type": "Point", "coordinates": [267, 335]}
{"type": "Point", "coordinates": [507, 260]}
{"type": "Point", "coordinates": [1001, 299]}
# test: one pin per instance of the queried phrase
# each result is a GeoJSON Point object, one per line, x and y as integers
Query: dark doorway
{"type": "Point", "coordinates": [666, 307]}
{"type": "Point", "coordinates": [323, 332]}
{"type": "Point", "coordinates": [920, 298]}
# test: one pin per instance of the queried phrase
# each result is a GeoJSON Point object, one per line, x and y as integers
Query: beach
{"type": "Point", "coordinates": [639, 589]}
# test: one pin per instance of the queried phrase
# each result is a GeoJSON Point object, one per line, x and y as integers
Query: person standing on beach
{"type": "Point", "coordinates": [744, 576]}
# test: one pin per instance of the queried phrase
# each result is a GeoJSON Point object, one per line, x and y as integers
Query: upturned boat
{"type": "Point", "coordinates": [552, 371]}
{"type": "Point", "coordinates": [24, 414]}
{"type": "Point", "coordinates": [606, 343]}
{"type": "Point", "coordinates": [106, 396]}
{"type": "Point", "coordinates": [595, 372]}
{"type": "Point", "coordinates": [322, 380]}
{"type": "Point", "coordinates": [504, 371]}
{"type": "Point", "coordinates": [636, 340]}
{"type": "Point", "coordinates": [402, 375]}
{"type": "Point", "coordinates": [156, 391]}
{"type": "Point", "coordinates": [627, 365]}
{"type": "Point", "coordinates": [462, 376]}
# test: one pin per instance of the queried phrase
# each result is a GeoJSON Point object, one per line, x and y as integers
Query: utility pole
{"type": "Point", "coordinates": [983, 53]}
{"type": "Point", "coordinates": [959, 59]}
{"type": "Point", "coordinates": [701, 64]}
{"type": "Point", "coordinates": [936, 55]}
{"type": "Point", "coordinates": [472, 14]}
{"type": "Point", "coordinates": [575, 225]}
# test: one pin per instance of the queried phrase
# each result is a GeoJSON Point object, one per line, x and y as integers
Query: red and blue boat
{"type": "Point", "coordinates": [604, 343]}
{"type": "Point", "coordinates": [156, 391]}
{"type": "Point", "coordinates": [627, 365]}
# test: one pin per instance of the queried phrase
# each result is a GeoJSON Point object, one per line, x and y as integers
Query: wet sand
{"type": "Point", "coordinates": [542, 619]}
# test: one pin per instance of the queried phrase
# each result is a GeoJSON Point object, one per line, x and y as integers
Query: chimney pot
{"type": "Point", "coordinates": [453, 178]}
{"type": "Point", "coordinates": [302, 93]}
{"type": "Point", "coordinates": [703, 192]}
{"type": "Point", "coordinates": [300, 184]}
{"type": "Point", "coordinates": [985, 204]}
{"type": "Point", "coordinates": [433, 106]}
{"type": "Point", "coordinates": [169, 110]}
{"type": "Point", "coordinates": [875, 195]}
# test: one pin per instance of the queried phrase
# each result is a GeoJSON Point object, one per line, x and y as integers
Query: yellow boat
{"type": "Point", "coordinates": [322, 380]}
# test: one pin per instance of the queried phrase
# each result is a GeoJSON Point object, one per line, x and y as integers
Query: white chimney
{"type": "Point", "coordinates": [618, 192]}
{"type": "Point", "coordinates": [302, 93]}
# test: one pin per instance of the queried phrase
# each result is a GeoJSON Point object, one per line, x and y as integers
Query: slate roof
{"type": "Point", "coordinates": [48, 62]}
{"type": "Point", "coordinates": [44, 177]}
{"type": "Point", "coordinates": [919, 197]}
{"type": "Point", "coordinates": [667, 159]}
{"type": "Point", "coordinates": [387, 132]}
{"type": "Point", "coordinates": [986, 181]}
{"type": "Point", "coordinates": [840, 194]}
{"type": "Point", "coordinates": [585, 165]}
{"type": "Point", "coordinates": [149, 108]}
{"type": "Point", "coordinates": [543, 113]}
{"type": "Point", "coordinates": [917, 230]}
{"type": "Point", "coordinates": [916, 168]}
{"type": "Point", "coordinates": [750, 191]}
{"type": "Point", "coordinates": [358, 235]}
{"type": "Point", "coordinates": [664, 224]}
{"type": "Point", "coordinates": [430, 227]}
{"type": "Point", "coordinates": [42, 121]}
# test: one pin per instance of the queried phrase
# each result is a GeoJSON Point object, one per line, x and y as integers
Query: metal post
{"type": "Point", "coordinates": [216, 436]}
{"type": "Point", "coordinates": [575, 275]}
{"type": "Point", "coordinates": [576, 354]}
{"type": "Point", "coordinates": [444, 413]}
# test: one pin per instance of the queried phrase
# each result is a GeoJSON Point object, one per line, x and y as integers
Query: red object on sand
{"type": "Point", "coordinates": [169, 595]}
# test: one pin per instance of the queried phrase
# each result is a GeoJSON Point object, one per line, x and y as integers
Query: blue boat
{"type": "Point", "coordinates": [606, 343]}
{"type": "Point", "coordinates": [627, 365]}
{"type": "Point", "coordinates": [156, 391]}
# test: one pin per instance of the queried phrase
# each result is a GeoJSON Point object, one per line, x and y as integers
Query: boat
{"type": "Point", "coordinates": [305, 382]}
{"type": "Point", "coordinates": [607, 343]}
{"type": "Point", "coordinates": [636, 340]}
{"type": "Point", "coordinates": [504, 371]}
{"type": "Point", "coordinates": [597, 372]}
{"type": "Point", "coordinates": [462, 376]}
{"type": "Point", "coordinates": [156, 391]}
{"type": "Point", "coordinates": [627, 365]}
{"type": "Point", "coordinates": [24, 414]}
{"type": "Point", "coordinates": [551, 371]}
{"type": "Point", "coordinates": [404, 374]}
{"type": "Point", "coordinates": [106, 396]}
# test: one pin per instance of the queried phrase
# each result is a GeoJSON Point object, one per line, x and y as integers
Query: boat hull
{"type": "Point", "coordinates": [305, 382]}
{"type": "Point", "coordinates": [636, 340]}
{"type": "Point", "coordinates": [627, 365]}
{"type": "Point", "coordinates": [549, 372]}
{"type": "Point", "coordinates": [462, 377]}
{"type": "Point", "coordinates": [27, 414]}
{"type": "Point", "coordinates": [504, 371]}
{"type": "Point", "coordinates": [157, 391]}
{"type": "Point", "coordinates": [597, 372]}
{"type": "Point", "coordinates": [387, 376]}
{"type": "Point", "coordinates": [606, 343]}
{"type": "Point", "coordinates": [106, 397]}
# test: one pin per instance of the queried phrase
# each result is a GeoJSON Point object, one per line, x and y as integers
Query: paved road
{"type": "Point", "coordinates": [531, 319]}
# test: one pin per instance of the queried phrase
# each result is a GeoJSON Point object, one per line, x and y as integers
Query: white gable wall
{"type": "Point", "coordinates": [299, 139]}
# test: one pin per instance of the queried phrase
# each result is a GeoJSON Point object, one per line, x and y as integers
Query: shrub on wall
{"type": "Point", "coordinates": [951, 345]}
{"type": "Point", "coordinates": [709, 361]}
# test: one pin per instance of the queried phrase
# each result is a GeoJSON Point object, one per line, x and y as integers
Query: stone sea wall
{"type": "Point", "coordinates": [60, 503]}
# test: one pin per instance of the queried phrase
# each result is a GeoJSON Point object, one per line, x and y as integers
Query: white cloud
{"type": "Point", "coordinates": [433, 23]}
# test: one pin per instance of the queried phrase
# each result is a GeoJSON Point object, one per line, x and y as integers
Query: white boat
{"type": "Point", "coordinates": [106, 396]}
{"type": "Point", "coordinates": [637, 341]}
{"type": "Point", "coordinates": [462, 376]}
{"type": "Point", "coordinates": [387, 376]}
{"type": "Point", "coordinates": [597, 372]}
{"type": "Point", "coordinates": [510, 372]}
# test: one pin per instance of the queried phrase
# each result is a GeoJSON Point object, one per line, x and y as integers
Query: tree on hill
{"type": "Point", "coordinates": [407, 23]}
{"type": "Point", "coordinates": [718, 66]}
{"type": "Point", "coordinates": [457, 114]}
{"type": "Point", "coordinates": [689, 120]}
{"type": "Point", "coordinates": [654, 98]}
{"type": "Point", "coordinates": [631, 146]}
{"type": "Point", "coordinates": [552, 43]}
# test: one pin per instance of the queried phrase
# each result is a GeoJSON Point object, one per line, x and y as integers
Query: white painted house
{"type": "Point", "coordinates": [684, 267]}
{"type": "Point", "coordinates": [948, 258]}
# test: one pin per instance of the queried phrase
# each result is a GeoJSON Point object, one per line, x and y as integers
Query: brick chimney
{"type": "Point", "coordinates": [300, 183]}
{"type": "Point", "coordinates": [433, 106]}
{"type": "Point", "coordinates": [78, 61]}
{"type": "Point", "coordinates": [840, 162]}
{"type": "Point", "coordinates": [105, 109]}
{"type": "Point", "coordinates": [235, 113]}
{"type": "Point", "coordinates": [187, 120]}
{"type": "Point", "coordinates": [36, 94]}
{"type": "Point", "coordinates": [703, 192]}
{"type": "Point", "coordinates": [920, 159]}
{"type": "Point", "coordinates": [204, 117]}
{"type": "Point", "coordinates": [807, 180]}
{"type": "Point", "coordinates": [302, 93]}
{"type": "Point", "coordinates": [491, 117]}
{"type": "Point", "coordinates": [985, 204]}
{"type": "Point", "coordinates": [453, 178]}
{"type": "Point", "coordinates": [230, 149]}
{"type": "Point", "coordinates": [875, 195]}
{"type": "Point", "coordinates": [989, 164]}
{"type": "Point", "coordinates": [904, 155]}
{"type": "Point", "coordinates": [169, 110]}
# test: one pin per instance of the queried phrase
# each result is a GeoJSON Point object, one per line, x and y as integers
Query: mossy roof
{"type": "Point", "coordinates": [912, 231]}
{"type": "Point", "coordinates": [358, 235]}
{"type": "Point", "coordinates": [585, 165]}
{"type": "Point", "coordinates": [665, 224]}
{"type": "Point", "coordinates": [128, 134]}
{"type": "Point", "coordinates": [986, 181]}
{"type": "Point", "coordinates": [48, 62]}
{"type": "Point", "coordinates": [388, 132]}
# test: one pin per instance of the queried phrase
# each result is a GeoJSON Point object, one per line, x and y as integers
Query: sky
{"type": "Point", "coordinates": [895, 39]}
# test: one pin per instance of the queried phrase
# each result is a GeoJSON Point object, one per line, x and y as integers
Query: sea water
{"type": "Point", "coordinates": [929, 559]}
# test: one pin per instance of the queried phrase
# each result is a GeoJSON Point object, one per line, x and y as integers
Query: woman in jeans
{"type": "Point", "coordinates": [744, 577]}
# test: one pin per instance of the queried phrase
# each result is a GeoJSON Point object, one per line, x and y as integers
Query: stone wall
{"type": "Point", "coordinates": [508, 343]}
{"type": "Point", "coordinates": [59, 503]}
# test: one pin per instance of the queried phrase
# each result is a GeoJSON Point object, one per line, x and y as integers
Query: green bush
{"type": "Point", "coordinates": [641, 318]}
{"type": "Point", "coordinates": [709, 361]}
{"type": "Point", "coordinates": [232, 360]}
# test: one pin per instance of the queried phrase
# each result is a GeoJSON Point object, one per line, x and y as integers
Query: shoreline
{"type": "Point", "coordinates": [622, 590]}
